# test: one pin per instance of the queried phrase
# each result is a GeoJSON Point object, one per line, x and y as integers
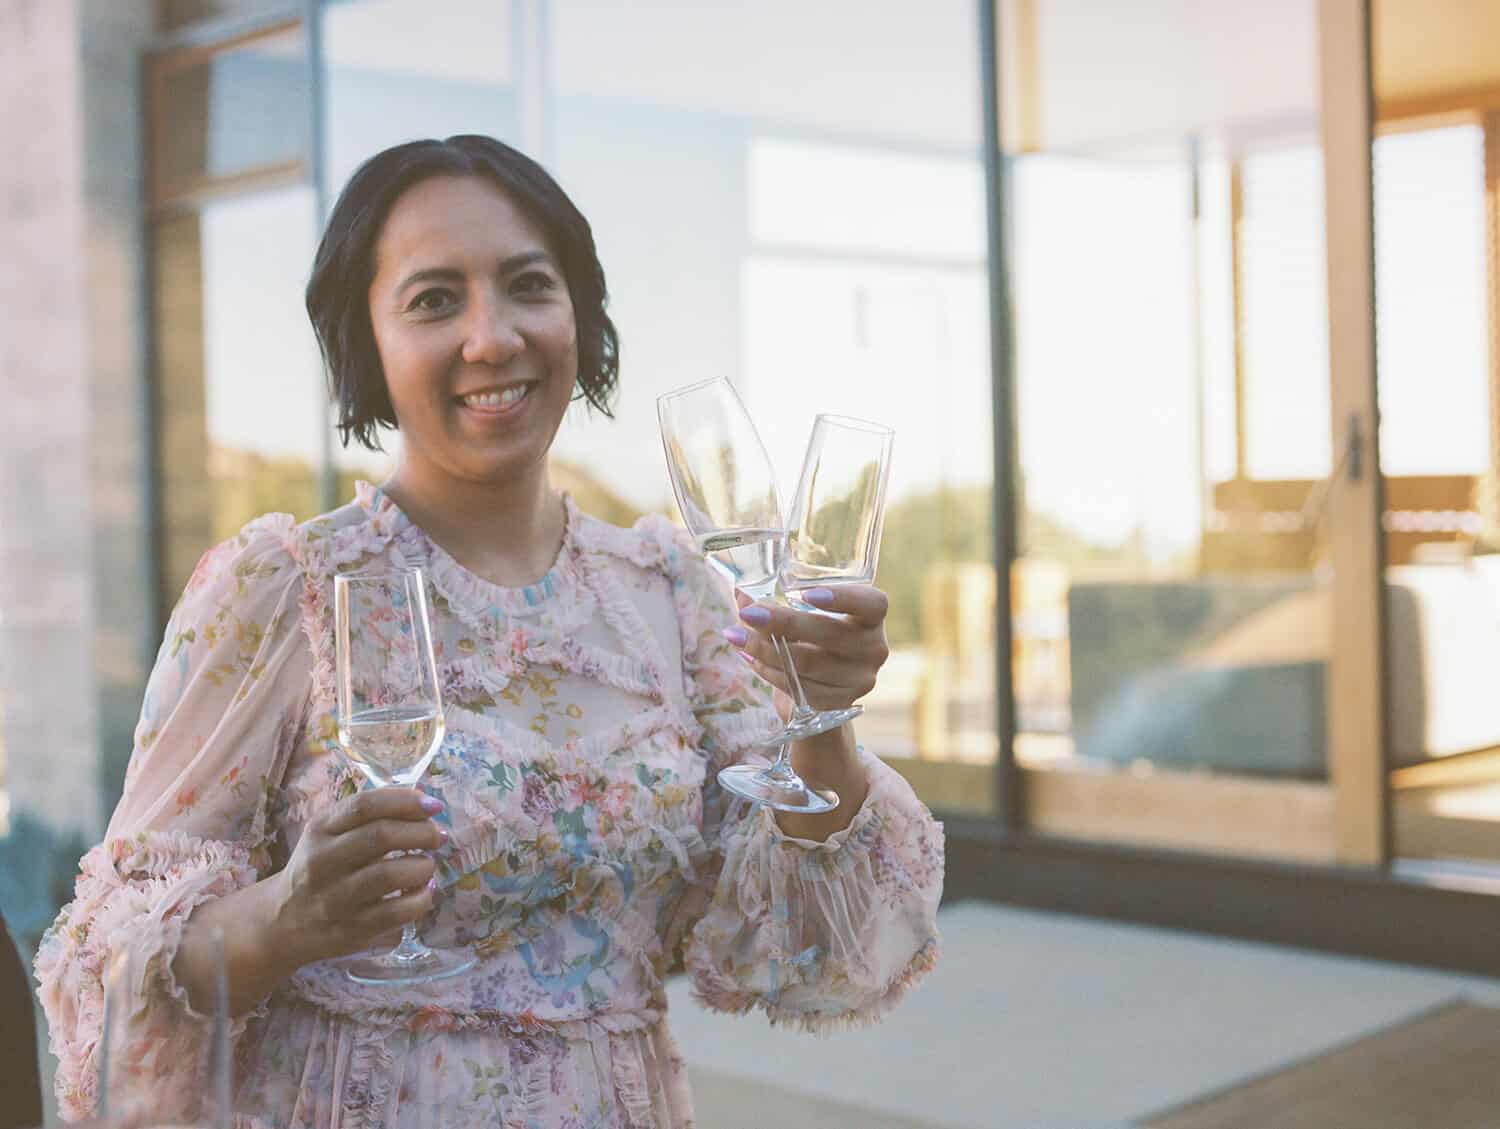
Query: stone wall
{"type": "Point", "coordinates": [74, 565]}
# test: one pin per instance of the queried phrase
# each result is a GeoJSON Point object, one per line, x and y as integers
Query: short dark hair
{"type": "Point", "coordinates": [338, 292]}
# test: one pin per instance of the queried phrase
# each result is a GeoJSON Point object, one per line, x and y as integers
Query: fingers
{"type": "Point", "coordinates": [370, 842]}
{"type": "Point", "coordinates": [380, 803]}
{"type": "Point", "coordinates": [370, 884]}
{"type": "Point", "coordinates": [855, 684]}
{"type": "Point", "coordinates": [863, 603]}
{"type": "Point", "coordinates": [859, 613]}
{"type": "Point", "coordinates": [392, 913]}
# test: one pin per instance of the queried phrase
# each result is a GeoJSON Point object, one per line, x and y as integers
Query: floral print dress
{"type": "Point", "coordinates": [591, 852]}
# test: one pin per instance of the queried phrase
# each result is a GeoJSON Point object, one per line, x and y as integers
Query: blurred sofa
{"type": "Point", "coordinates": [1229, 673]}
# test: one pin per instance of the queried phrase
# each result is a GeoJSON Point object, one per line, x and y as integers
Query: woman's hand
{"type": "Point", "coordinates": [333, 894]}
{"type": "Point", "coordinates": [329, 900]}
{"type": "Point", "coordinates": [837, 657]}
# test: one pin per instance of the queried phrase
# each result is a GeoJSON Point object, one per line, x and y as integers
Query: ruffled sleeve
{"type": "Point", "coordinates": [223, 710]}
{"type": "Point", "coordinates": [819, 935]}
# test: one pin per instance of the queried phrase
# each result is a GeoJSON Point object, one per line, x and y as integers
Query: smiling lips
{"type": "Point", "coordinates": [496, 402]}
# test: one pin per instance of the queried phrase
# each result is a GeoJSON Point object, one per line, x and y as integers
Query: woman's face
{"type": "Point", "coordinates": [475, 330]}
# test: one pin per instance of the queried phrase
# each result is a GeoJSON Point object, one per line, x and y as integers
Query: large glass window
{"type": "Point", "coordinates": [1172, 388]}
{"type": "Point", "coordinates": [817, 235]}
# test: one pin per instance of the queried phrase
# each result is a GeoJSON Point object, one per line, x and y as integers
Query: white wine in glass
{"type": "Point", "coordinates": [390, 724]}
{"type": "Point", "coordinates": [726, 490]}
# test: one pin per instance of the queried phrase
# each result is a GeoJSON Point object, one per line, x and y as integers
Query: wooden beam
{"type": "Point", "coordinates": [1237, 287]}
{"type": "Point", "coordinates": [1489, 512]}
{"type": "Point", "coordinates": [1357, 735]}
{"type": "Point", "coordinates": [1021, 99]}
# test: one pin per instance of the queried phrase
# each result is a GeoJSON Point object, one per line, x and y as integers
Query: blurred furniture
{"type": "Point", "coordinates": [1257, 525]}
{"type": "Point", "coordinates": [1228, 673]}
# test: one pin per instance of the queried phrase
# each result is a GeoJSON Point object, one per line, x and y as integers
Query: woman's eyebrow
{"type": "Point", "coordinates": [453, 274]}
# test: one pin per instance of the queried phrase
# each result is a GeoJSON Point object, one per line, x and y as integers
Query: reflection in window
{"type": "Point", "coordinates": [817, 237]}
{"type": "Point", "coordinates": [239, 384]}
{"type": "Point", "coordinates": [232, 113]}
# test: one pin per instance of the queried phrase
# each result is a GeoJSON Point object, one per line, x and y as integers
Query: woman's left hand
{"type": "Point", "coordinates": [837, 657]}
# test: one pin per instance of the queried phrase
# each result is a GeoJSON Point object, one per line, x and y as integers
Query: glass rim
{"type": "Point", "coordinates": [695, 386]}
{"type": "Point", "coordinates": [381, 574]}
{"type": "Point", "coordinates": [854, 423]}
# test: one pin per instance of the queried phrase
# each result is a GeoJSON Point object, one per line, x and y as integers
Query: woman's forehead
{"type": "Point", "coordinates": [466, 217]}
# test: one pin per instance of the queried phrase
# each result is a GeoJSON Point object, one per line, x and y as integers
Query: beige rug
{"type": "Point", "coordinates": [1440, 1070]}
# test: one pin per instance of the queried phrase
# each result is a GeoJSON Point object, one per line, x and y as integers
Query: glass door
{"type": "Point", "coordinates": [1176, 585]}
{"type": "Point", "coordinates": [1437, 172]}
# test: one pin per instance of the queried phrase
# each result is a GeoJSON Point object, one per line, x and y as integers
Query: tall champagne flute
{"type": "Point", "coordinates": [390, 724]}
{"type": "Point", "coordinates": [726, 491]}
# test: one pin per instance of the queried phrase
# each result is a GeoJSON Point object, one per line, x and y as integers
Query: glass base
{"type": "Point", "coordinates": [813, 724]}
{"type": "Point", "coordinates": [785, 792]}
{"type": "Point", "coordinates": [395, 967]}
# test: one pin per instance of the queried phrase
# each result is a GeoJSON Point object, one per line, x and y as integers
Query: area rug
{"type": "Point", "coordinates": [1439, 1070]}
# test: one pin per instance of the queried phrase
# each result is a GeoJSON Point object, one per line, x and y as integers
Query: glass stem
{"type": "Point", "coordinates": [411, 946]}
{"type": "Point", "coordinates": [801, 711]}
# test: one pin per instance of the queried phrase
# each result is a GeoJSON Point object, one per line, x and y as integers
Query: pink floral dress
{"type": "Point", "coordinates": [591, 849]}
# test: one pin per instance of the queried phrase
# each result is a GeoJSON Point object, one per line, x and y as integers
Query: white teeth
{"type": "Point", "coordinates": [497, 399]}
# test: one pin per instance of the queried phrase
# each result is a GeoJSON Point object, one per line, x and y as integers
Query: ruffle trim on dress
{"type": "Point", "coordinates": [327, 994]}
{"type": "Point", "coordinates": [716, 990]}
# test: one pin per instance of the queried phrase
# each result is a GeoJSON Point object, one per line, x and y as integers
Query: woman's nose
{"type": "Point", "coordinates": [491, 336]}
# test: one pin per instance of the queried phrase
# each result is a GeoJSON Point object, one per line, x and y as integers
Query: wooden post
{"type": "Point", "coordinates": [1356, 669]}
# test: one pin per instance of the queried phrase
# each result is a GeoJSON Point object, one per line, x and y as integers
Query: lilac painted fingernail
{"type": "Point", "coordinates": [736, 636]}
{"type": "Point", "coordinates": [755, 615]}
{"type": "Point", "coordinates": [431, 805]}
{"type": "Point", "coordinates": [444, 836]}
{"type": "Point", "coordinates": [432, 884]}
{"type": "Point", "coordinates": [820, 597]}
{"type": "Point", "coordinates": [746, 657]}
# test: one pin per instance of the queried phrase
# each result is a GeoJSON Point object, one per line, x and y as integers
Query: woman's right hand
{"type": "Point", "coordinates": [332, 897]}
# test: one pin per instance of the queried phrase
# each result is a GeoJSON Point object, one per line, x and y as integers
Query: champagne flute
{"type": "Point", "coordinates": [726, 490]}
{"type": "Point", "coordinates": [390, 724]}
{"type": "Point", "coordinates": [838, 511]}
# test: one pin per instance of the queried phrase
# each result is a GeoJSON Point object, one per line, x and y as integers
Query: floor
{"type": "Point", "coordinates": [1043, 1021]}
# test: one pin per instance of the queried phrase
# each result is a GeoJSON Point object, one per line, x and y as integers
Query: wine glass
{"type": "Point", "coordinates": [726, 491]}
{"type": "Point", "coordinates": [132, 1092]}
{"type": "Point", "coordinates": [839, 508]}
{"type": "Point", "coordinates": [390, 724]}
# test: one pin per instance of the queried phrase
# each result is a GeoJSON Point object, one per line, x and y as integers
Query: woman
{"type": "Point", "coordinates": [594, 680]}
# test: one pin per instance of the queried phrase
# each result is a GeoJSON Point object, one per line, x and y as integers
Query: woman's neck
{"type": "Point", "coordinates": [509, 534]}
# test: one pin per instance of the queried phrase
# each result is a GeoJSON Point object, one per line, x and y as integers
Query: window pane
{"type": "Point", "coordinates": [229, 113]}
{"type": "Point", "coordinates": [1172, 399]}
{"type": "Point", "coordinates": [239, 382]}
{"type": "Point", "coordinates": [817, 235]}
{"type": "Point", "coordinates": [394, 74]}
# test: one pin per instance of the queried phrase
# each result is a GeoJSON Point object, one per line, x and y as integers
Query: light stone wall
{"type": "Point", "coordinates": [75, 575]}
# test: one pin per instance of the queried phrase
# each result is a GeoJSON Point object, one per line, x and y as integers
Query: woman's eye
{"type": "Point", "coordinates": [432, 301]}
{"type": "Point", "coordinates": [532, 282]}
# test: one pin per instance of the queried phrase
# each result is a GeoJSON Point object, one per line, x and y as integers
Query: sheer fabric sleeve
{"type": "Point", "coordinates": [223, 710]}
{"type": "Point", "coordinates": [818, 935]}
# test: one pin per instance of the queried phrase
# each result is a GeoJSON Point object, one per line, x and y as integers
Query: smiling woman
{"type": "Point", "coordinates": [594, 682]}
